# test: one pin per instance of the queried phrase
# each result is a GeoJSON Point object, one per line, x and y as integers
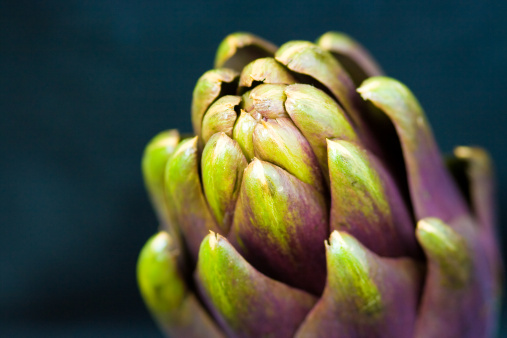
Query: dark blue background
{"type": "Point", "coordinates": [85, 84]}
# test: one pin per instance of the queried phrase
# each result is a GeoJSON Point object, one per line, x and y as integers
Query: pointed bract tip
{"type": "Point", "coordinates": [212, 240]}
{"type": "Point", "coordinates": [447, 249]}
{"type": "Point", "coordinates": [385, 91]}
{"type": "Point", "coordinates": [435, 234]}
{"type": "Point", "coordinates": [255, 170]}
{"type": "Point", "coordinates": [230, 48]}
{"type": "Point", "coordinates": [166, 138]}
{"type": "Point", "coordinates": [266, 70]}
{"type": "Point", "coordinates": [207, 89]}
{"type": "Point", "coordinates": [269, 99]}
{"type": "Point", "coordinates": [155, 156]}
{"type": "Point", "coordinates": [335, 240]}
{"type": "Point", "coordinates": [186, 146]}
{"type": "Point", "coordinates": [161, 242]}
{"type": "Point", "coordinates": [477, 155]}
{"type": "Point", "coordinates": [292, 47]}
{"type": "Point", "coordinates": [351, 54]}
{"type": "Point", "coordinates": [341, 241]}
{"type": "Point", "coordinates": [220, 117]}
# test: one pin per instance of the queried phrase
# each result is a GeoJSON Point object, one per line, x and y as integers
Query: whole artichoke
{"type": "Point", "coordinates": [313, 202]}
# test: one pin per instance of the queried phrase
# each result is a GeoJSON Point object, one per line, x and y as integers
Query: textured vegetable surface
{"type": "Point", "coordinates": [313, 201]}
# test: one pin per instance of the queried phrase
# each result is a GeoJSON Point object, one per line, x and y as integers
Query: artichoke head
{"type": "Point", "coordinates": [313, 201]}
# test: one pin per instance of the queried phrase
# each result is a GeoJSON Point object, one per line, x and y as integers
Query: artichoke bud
{"type": "Point", "coordinates": [210, 86]}
{"type": "Point", "coordinates": [243, 134]}
{"type": "Point", "coordinates": [155, 157]}
{"type": "Point", "coordinates": [223, 164]}
{"type": "Point", "coordinates": [239, 49]}
{"type": "Point", "coordinates": [246, 302]}
{"type": "Point", "coordinates": [290, 153]}
{"type": "Point", "coordinates": [220, 117]}
{"type": "Point", "coordinates": [265, 70]}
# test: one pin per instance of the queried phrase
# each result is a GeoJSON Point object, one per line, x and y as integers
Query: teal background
{"type": "Point", "coordinates": [84, 85]}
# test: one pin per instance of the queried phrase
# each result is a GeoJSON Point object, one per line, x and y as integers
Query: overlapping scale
{"type": "Point", "coordinates": [245, 302]}
{"type": "Point", "coordinates": [366, 203]}
{"type": "Point", "coordinates": [459, 294]}
{"type": "Point", "coordinates": [239, 49]}
{"type": "Point", "coordinates": [358, 62]}
{"type": "Point", "coordinates": [319, 118]}
{"type": "Point", "coordinates": [268, 100]}
{"type": "Point", "coordinates": [366, 296]}
{"type": "Point", "coordinates": [264, 70]}
{"type": "Point", "coordinates": [220, 117]}
{"type": "Point", "coordinates": [432, 189]}
{"type": "Point", "coordinates": [210, 86]}
{"type": "Point", "coordinates": [184, 189]}
{"type": "Point", "coordinates": [280, 142]}
{"type": "Point", "coordinates": [223, 164]}
{"type": "Point", "coordinates": [155, 157]}
{"type": "Point", "coordinates": [173, 305]}
{"type": "Point", "coordinates": [280, 226]}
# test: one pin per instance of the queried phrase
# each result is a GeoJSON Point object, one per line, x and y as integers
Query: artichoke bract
{"type": "Point", "coordinates": [313, 201]}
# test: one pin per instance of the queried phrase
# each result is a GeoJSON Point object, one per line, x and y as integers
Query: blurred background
{"type": "Point", "coordinates": [84, 85]}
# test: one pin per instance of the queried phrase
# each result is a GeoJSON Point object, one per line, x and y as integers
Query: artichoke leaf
{"type": "Point", "coordinates": [365, 202]}
{"type": "Point", "coordinates": [220, 117]}
{"type": "Point", "coordinates": [280, 225]}
{"type": "Point", "coordinates": [352, 56]}
{"type": "Point", "coordinates": [365, 296]}
{"type": "Point", "coordinates": [210, 86]}
{"type": "Point", "coordinates": [268, 100]}
{"type": "Point", "coordinates": [163, 287]}
{"type": "Point", "coordinates": [223, 164]}
{"type": "Point", "coordinates": [265, 70]}
{"type": "Point", "coordinates": [243, 133]}
{"type": "Point", "coordinates": [280, 142]}
{"type": "Point", "coordinates": [244, 301]}
{"type": "Point", "coordinates": [432, 189]}
{"type": "Point", "coordinates": [183, 188]}
{"type": "Point", "coordinates": [309, 59]}
{"type": "Point", "coordinates": [306, 58]}
{"type": "Point", "coordinates": [459, 296]}
{"type": "Point", "coordinates": [318, 117]}
{"type": "Point", "coordinates": [478, 168]}
{"type": "Point", "coordinates": [155, 157]}
{"type": "Point", "coordinates": [239, 49]}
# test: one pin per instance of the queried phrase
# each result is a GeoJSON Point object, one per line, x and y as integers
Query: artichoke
{"type": "Point", "coordinates": [313, 202]}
